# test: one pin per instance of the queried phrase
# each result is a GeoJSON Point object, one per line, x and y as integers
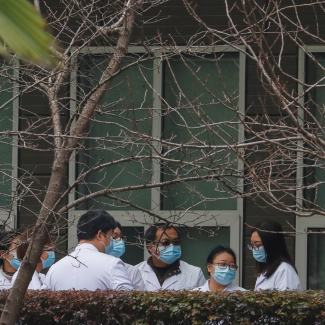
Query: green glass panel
{"type": "Point", "coordinates": [316, 172]}
{"type": "Point", "coordinates": [200, 104]}
{"type": "Point", "coordinates": [316, 260]}
{"type": "Point", "coordinates": [125, 106]}
{"type": "Point", "coordinates": [6, 124]}
{"type": "Point", "coordinates": [197, 245]}
{"type": "Point", "coordinates": [134, 250]}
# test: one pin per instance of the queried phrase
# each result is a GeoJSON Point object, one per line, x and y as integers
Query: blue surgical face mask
{"type": "Point", "coordinates": [169, 254]}
{"type": "Point", "coordinates": [118, 248]}
{"type": "Point", "coordinates": [224, 276]}
{"type": "Point", "coordinates": [15, 263]}
{"type": "Point", "coordinates": [260, 255]}
{"type": "Point", "coordinates": [108, 249]}
{"type": "Point", "coordinates": [50, 259]}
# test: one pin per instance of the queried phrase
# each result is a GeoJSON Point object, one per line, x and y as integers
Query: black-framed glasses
{"type": "Point", "coordinates": [168, 242]}
{"type": "Point", "coordinates": [223, 266]}
{"type": "Point", "coordinates": [254, 248]}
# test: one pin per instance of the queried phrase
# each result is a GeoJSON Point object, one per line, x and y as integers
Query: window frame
{"type": "Point", "coordinates": [226, 218]}
{"type": "Point", "coordinates": [316, 221]}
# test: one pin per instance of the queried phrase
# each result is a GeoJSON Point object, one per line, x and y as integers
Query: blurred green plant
{"type": "Point", "coordinates": [22, 30]}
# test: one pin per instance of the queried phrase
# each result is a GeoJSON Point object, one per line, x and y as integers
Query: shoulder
{"type": "Point", "coordinates": [188, 267]}
{"type": "Point", "coordinates": [141, 265]}
{"type": "Point", "coordinates": [285, 267]}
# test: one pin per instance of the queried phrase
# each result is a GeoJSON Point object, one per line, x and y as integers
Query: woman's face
{"type": "Point", "coordinates": [256, 240]}
{"type": "Point", "coordinates": [222, 259]}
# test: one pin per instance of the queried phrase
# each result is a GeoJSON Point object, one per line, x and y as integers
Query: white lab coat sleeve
{"type": "Point", "coordinates": [201, 279]}
{"type": "Point", "coordinates": [287, 279]}
{"type": "Point", "coordinates": [138, 282]}
{"type": "Point", "coordinates": [120, 279]}
{"type": "Point", "coordinates": [47, 281]}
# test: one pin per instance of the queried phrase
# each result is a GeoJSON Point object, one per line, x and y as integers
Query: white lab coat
{"type": "Point", "coordinates": [135, 277]}
{"type": "Point", "coordinates": [4, 282]}
{"type": "Point", "coordinates": [190, 277]}
{"type": "Point", "coordinates": [229, 287]}
{"type": "Point", "coordinates": [87, 268]}
{"type": "Point", "coordinates": [34, 284]}
{"type": "Point", "coordinates": [284, 278]}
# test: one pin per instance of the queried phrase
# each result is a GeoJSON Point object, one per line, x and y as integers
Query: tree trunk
{"type": "Point", "coordinates": [58, 178]}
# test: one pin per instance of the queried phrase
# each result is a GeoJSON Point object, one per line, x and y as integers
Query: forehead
{"type": "Point", "coordinates": [117, 231]}
{"type": "Point", "coordinates": [255, 237]}
{"type": "Point", "coordinates": [224, 257]}
{"type": "Point", "coordinates": [169, 233]}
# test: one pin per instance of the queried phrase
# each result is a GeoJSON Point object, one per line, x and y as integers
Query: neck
{"type": "Point", "coordinates": [216, 286]}
{"type": "Point", "coordinates": [7, 267]}
{"type": "Point", "coordinates": [39, 267]}
{"type": "Point", "coordinates": [98, 244]}
{"type": "Point", "coordinates": [158, 263]}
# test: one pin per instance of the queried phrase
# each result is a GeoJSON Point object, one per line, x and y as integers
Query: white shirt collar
{"type": "Point", "coordinates": [87, 246]}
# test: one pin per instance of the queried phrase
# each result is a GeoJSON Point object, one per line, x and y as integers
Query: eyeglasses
{"type": "Point", "coordinates": [116, 237]}
{"type": "Point", "coordinates": [119, 237]}
{"type": "Point", "coordinates": [168, 242]}
{"type": "Point", "coordinates": [255, 247]}
{"type": "Point", "coordinates": [223, 266]}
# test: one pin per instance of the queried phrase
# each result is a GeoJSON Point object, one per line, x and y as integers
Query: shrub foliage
{"type": "Point", "coordinates": [170, 307]}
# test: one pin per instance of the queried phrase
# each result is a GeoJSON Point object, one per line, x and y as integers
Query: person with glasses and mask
{"type": "Point", "coordinates": [9, 262]}
{"type": "Point", "coordinates": [118, 251]}
{"type": "Point", "coordinates": [222, 267]}
{"type": "Point", "coordinates": [274, 267]}
{"type": "Point", "coordinates": [46, 260]}
{"type": "Point", "coordinates": [90, 266]}
{"type": "Point", "coordinates": [164, 269]}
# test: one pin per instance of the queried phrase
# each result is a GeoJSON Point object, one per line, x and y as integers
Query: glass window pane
{"type": "Point", "coordinates": [125, 108]}
{"type": "Point", "coordinates": [6, 124]}
{"type": "Point", "coordinates": [198, 105]}
{"type": "Point", "coordinates": [316, 172]}
{"type": "Point", "coordinates": [316, 260]}
{"type": "Point", "coordinates": [197, 245]}
{"type": "Point", "coordinates": [134, 251]}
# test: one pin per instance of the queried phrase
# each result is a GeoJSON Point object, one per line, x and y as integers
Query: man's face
{"type": "Point", "coordinates": [163, 238]}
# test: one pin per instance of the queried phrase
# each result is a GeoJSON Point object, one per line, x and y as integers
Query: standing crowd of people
{"type": "Point", "coordinates": [96, 264]}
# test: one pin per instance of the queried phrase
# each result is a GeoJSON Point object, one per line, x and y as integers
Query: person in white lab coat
{"type": "Point", "coordinates": [9, 262]}
{"type": "Point", "coordinates": [118, 251]}
{"type": "Point", "coordinates": [222, 266]}
{"type": "Point", "coordinates": [274, 267]}
{"type": "Point", "coordinates": [164, 269]}
{"type": "Point", "coordinates": [91, 266]}
{"type": "Point", "coordinates": [46, 260]}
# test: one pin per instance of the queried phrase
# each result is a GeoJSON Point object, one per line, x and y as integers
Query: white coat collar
{"type": "Point", "coordinates": [152, 278]}
{"type": "Point", "coordinates": [206, 287]}
{"type": "Point", "coordinates": [87, 246]}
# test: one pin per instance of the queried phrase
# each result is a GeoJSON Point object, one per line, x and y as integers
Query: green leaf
{"type": "Point", "coordinates": [22, 29]}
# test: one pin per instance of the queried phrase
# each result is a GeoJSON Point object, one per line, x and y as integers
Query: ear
{"type": "Point", "coordinates": [210, 269]}
{"type": "Point", "coordinates": [2, 254]}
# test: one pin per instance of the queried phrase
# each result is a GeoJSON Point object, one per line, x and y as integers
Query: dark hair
{"type": "Point", "coordinates": [92, 221]}
{"type": "Point", "coordinates": [274, 245]}
{"type": "Point", "coordinates": [118, 225]}
{"type": "Point", "coordinates": [218, 250]}
{"type": "Point", "coordinates": [150, 235]}
{"type": "Point", "coordinates": [23, 242]}
{"type": "Point", "coordinates": [6, 239]}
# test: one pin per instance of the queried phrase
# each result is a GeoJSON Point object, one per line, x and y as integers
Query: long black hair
{"type": "Point", "coordinates": [275, 247]}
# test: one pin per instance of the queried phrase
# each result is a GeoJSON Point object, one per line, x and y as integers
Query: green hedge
{"type": "Point", "coordinates": [168, 307]}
